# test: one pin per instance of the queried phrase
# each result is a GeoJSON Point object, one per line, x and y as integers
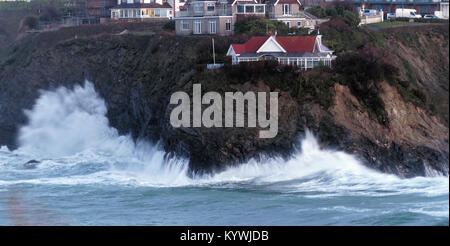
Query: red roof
{"type": "Point", "coordinates": [289, 43]}
{"type": "Point", "coordinates": [297, 43]}
{"type": "Point", "coordinates": [251, 46]}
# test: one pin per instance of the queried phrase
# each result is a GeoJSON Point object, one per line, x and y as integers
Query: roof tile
{"type": "Point", "coordinates": [289, 43]}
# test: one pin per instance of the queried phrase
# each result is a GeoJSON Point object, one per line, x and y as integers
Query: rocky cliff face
{"type": "Point", "coordinates": [137, 71]}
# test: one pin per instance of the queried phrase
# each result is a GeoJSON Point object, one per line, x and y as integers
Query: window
{"type": "Point", "coordinates": [250, 59]}
{"type": "Point", "coordinates": [121, 14]}
{"type": "Point", "coordinates": [316, 62]}
{"type": "Point", "coordinates": [224, 9]}
{"type": "Point", "coordinates": [309, 63]}
{"type": "Point", "coordinates": [210, 7]}
{"type": "Point", "coordinates": [249, 9]}
{"type": "Point", "coordinates": [157, 12]}
{"type": "Point", "coordinates": [259, 9]}
{"type": "Point", "coordinates": [299, 24]}
{"type": "Point", "coordinates": [212, 27]}
{"type": "Point", "coordinates": [283, 61]}
{"type": "Point", "coordinates": [198, 7]}
{"type": "Point", "coordinates": [288, 24]}
{"type": "Point", "coordinates": [302, 63]}
{"type": "Point", "coordinates": [286, 9]}
{"type": "Point", "coordinates": [240, 9]}
{"type": "Point", "coordinates": [184, 25]}
{"type": "Point", "coordinates": [228, 25]}
{"type": "Point", "coordinates": [197, 27]}
{"type": "Point", "coordinates": [292, 61]}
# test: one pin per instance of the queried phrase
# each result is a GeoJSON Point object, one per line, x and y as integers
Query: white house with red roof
{"type": "Point", "coordinates": [305, 52]}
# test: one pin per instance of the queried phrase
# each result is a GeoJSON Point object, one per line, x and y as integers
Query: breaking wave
{"type": "Point", "coordinates": [69, 133]}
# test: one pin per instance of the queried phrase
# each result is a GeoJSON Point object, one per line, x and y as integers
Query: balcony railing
{"type": "Point", "coordinates": [216, 12]}
{"type": "Point", "coordinates": [279, 16]}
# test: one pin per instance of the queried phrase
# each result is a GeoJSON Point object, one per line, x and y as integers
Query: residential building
{"type": "Point", "coordinates": [444, 9]}
{"type": "Point", "coordinates": [290, 12]}
{"type": "Point", "coordinates": [219, 16]}
{"type": "Point", "coordinates": [99, 8]}
{"type": "Point", "coordinates": [251, 8]}
{"type": "Point", "coordinates": [142, 10]}
{"type": "Point", "coordinates": [206, 17]}
{"type": "Point", "coordinates": [306, 52]}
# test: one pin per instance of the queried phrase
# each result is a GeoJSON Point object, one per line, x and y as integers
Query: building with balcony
{"type": "Point", "coordinates": [305, 52]}
{"type": "Point", "coordinates": [218, 16]}
{"type": "Point", "coordinates": [291, 13]}
{"type": "Point", "coordinates": [142, 10]}
{"type": "Point", "coordinates": [100, 8]}
{"type": "Point", "coordinates": [245, 9]}
{"type": "Point", "coordinates": [213, 16]}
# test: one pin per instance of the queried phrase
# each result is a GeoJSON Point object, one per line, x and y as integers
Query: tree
{"type": "Point", "coordinates": [263, 26]}
{"type": "Point", "coordinates": [31, 21]}
{"type": "Point", "coordinates": [50, 13]}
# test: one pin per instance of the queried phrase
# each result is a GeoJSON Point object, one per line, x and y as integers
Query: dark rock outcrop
{"type": "Point", "coordinates": [32, 164]}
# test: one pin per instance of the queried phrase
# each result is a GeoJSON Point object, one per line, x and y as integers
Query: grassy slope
{"type": "Point", "coordinates": [9, 29]}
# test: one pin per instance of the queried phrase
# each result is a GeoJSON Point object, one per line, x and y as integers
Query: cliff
{"type": "Point", "coordinates": [392, 112]}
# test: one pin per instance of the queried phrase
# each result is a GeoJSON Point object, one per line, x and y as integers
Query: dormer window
{"type": "Point", "coordinates": [286, 9]}
{"type": "Point", "coordinates": [259, 9]}
{"type": "Point", "coordinates": [249, 9]}
{"type": "Point", "coordinates": [210, 7]}
{"type": "Point", "coordinates": [198, 7]}
{"type": "Point", "coordinates": [240, 9]}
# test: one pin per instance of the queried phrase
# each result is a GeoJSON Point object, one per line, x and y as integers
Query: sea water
{"type": "Point", "coordinates": [90, 175]}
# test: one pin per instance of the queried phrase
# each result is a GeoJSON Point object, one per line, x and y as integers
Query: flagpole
{"type": "Point", "coordinates": [214, 54]}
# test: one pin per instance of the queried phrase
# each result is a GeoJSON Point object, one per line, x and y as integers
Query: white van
{"type": "Point", "coordinates": [407, 13]}
{"type": "Point", "coordinates": [368, 12]}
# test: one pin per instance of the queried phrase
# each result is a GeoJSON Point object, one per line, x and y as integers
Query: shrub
{"type": "Point", "coordinates": [318, 11]}
{"type": "Point", "coordinates": [31, 21]}
{"type": "Point", "coordinates": [263, 26]}
{"type": "Point", "coordinates": [351, 17]}
{"type": "Point", "coordinates": [169, 26]}
{"type": "Point", "coordinates": [50, 13]}
{"type": "Point", "coordinates": [361, 71]}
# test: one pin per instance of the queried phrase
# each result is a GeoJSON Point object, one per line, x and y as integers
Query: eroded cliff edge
{"type": "Point", "coordinates": [396, 121]}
